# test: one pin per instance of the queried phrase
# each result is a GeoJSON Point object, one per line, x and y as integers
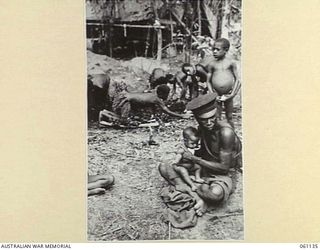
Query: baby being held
{"type": "Point", "coordinates": [184, 167]}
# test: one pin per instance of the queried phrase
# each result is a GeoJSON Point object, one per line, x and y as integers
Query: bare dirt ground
{"type": "Point", "coordinates": [132, 209]}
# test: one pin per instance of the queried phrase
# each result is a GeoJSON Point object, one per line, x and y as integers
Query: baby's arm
{"type": "Point", "coordinates": [177, 158]}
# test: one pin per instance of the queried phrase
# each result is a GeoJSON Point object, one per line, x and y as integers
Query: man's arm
{"type": "Point", "coordinates": [168, 111]}
{"type": "Point", "coordinates": [227, 139]}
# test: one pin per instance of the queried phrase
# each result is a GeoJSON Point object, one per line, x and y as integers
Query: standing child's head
{"type": "Point", "coordinates": [191, 137]}
{"type": "Point", "coordinates": [220, 48]}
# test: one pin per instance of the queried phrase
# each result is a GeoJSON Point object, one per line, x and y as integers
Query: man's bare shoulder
{"type": "Point", "coordinates": [227, 134]}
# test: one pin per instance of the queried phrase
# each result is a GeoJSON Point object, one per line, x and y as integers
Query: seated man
{"type": "Point", "coordinates": [125, 100]}
{"type": "Point", "coordinates": [219, 151]}
{"type": "Point", "coordinates": [98, 184]}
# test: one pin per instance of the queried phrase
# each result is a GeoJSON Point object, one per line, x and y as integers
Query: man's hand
{"type": "Point", "coordinates": [186, 116]}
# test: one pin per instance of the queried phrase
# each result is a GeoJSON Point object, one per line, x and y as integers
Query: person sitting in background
{"type": "Point", "coordinates": [125, 101]}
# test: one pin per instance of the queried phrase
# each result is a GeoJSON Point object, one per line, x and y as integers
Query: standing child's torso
{"type": "Point", "coordinates": [222, 78]}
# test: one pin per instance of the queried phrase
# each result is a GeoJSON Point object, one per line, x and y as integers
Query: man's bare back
{"type": "Point", "coordinates": [142, 98]}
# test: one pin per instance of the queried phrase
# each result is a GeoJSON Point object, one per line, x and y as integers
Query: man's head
{"type": "Point", "coordinates": [191, 137]}
{"type": "Point", "coordinates": [170, 78]}
{"type": "Point", "coordinates": [220, 48]}
{"type": "Point", "coordinates": [204, 109]}
{"type": "Point", "coordinates": [163, 91]}
{"type": "Point", "coordinates": [188, 69]}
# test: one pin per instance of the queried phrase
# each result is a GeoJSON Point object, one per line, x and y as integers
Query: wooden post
{"type": "Point", "coordinates": [159, 33]}
{"type": "Point", "coordinates": [189, 36]}
{"type": "Point", "coordinates": [199, 16]}
{"type": "Point", "coordinates": [110, 35]}
{"type": "Point", "coordinates": [171, 27]}
{"type": "Point", "coordinates": [159, 42]}
{"type": "Point", "coordinates": [184, 26]}
{"type": "Point", "coordinates": [147, 43]}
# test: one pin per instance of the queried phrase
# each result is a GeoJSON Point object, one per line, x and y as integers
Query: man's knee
{"type": "Point", "coordinates": [212, 193]}
{"type": "Point", "coordinates": [162, 169]}
{"type": "Point", "coordinates": [217, 191]}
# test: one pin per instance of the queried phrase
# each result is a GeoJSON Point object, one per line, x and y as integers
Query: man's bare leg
{"type": "Point", "coordinates": [185, 176]}
{"type": "Point", "coordinates": [197, 174]}
{"type": "Point", "coordinates": [200, 206]}
{"type": "Point", "coordinates": [213, 193]}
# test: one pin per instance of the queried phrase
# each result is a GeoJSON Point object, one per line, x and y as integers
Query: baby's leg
{"type": "Point", "coordinates": [229, 110]}
{"type": "Point", "coordinates": [185, 176]}
{"type": "Point", "coordinates": [197, 174]}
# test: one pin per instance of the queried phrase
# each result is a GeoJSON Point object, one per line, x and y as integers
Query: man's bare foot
{"type": "Point", "coordinates": [193, 188]}
{"type": "Point", "coordinates": [184, 188]}
{"type": "Point", "coordinates": [199, 180]}
{"type": "Point", "coordinates": [200, 207]}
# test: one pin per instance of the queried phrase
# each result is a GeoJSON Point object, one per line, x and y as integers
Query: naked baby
{"type": "Point", "coordinates": [223, 77]}
{"type": "Point", "coordinates": [184, 167]}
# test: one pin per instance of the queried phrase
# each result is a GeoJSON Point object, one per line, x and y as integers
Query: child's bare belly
{"type": "Point", "coordinates": [222, 81]}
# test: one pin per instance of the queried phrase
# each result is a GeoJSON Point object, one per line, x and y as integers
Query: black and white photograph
{"type": "Point", "coordinates": [164, 120]}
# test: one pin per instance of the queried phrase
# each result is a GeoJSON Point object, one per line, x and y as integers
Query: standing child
{"type": "Point", "coordinates": [223, 77]}
{"type": "Point", "coordinates": [182, 166]}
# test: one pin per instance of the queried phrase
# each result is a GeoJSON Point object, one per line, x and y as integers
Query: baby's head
{"type": "Point", "coordinates": [191, 137]}
{"type": "Point", "coordinates": [220, 48]}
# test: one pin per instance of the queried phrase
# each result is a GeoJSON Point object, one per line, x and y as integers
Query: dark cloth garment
{"type": "Point", "coordinates": [180, 211]}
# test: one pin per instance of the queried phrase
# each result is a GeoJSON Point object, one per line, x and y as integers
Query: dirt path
{"type": "Point", "coordinates": [132, 209]}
